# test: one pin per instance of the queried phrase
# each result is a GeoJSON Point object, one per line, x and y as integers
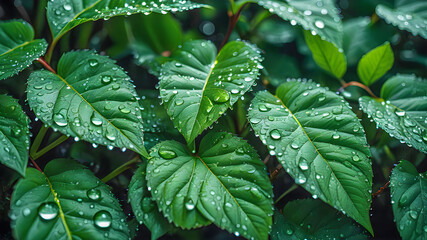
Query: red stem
{"type": "Point", "coordinates": [232, 23]}
{"type": "Point", "coordinates": [46, 65]}
{"type": "Point", "coordinates": [381, 189]}
{"type": "Point", "coordinates": [357, 84]}
{"type": "Point", "coordinates": [35, 165]}
{"type": "Point", "coordinates": [276, 171]}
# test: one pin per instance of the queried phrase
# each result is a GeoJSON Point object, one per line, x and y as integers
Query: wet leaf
{"type": "Point", "coordinates": [375, 64]}
{"type": "Point", "coordinates": [65, 202]}
{"type": "Point", "coordinates": [319, 142]}
{"type": "Point", "coordinates": [18, 49]}
{"type": "Point", "coordinates": [225, 182]}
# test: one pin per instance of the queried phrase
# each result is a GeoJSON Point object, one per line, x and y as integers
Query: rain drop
{"type": "Point", "coordinates": [102, 219]}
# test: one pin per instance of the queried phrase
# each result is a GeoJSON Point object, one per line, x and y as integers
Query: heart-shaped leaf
{"type": "Point", "coordinates": [14, 135]}
{"type": "Point", "coordinates": [409, 15]}
{"type": "Point", "coordinates": [409, 201]}
{"type": "Point", "coordinates": [402, 109]}
{"type": "Point", "coordinates": [318, 17]}
{"type": "Point", "coordinates": [90, 98]}
{"type": "Point", "coordinates": [224, 182]}
{"type": "Point", "coordinates": [64, 15]}
{"type": "Point", "coordinates": [198, 86]}
{"type": "Point", "coordinates": [320, 143]}
{"type": "Point", "coordinates": [375, 64]}
{"type": "Point", "coordinates": [144, 208]}
{"type": "Point", "coordinates": [313, 219]}
{"type": "Point", "coordinates": [326, 55]}
{"type": "Point", "coordinates": [65, 202]}
{"type": "Point", "coordinates": [18, 49]}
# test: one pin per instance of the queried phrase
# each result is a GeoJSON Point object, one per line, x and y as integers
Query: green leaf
{"type": "Point", "coordinates": [198, 86]}
{"type": "Point", "coordinates": [144, 207]}
{"type": "Point", "coordinates": [14, 135]}
{"type": "Point", "coordinates": [65, 202]}
{"type": "Point", "coordinates": [320, 143]}
{"type": "Point", "coordinates": [402, 109]}
{"type": "Point", "coordinates": [318, 17]}
{"type": "Point", "coordinates": [409, 15]}
{"type": "Point", "coordinates": [225, 182]}
{"type": "Point", "coordinates": [409, 200]}
{"type": "Point", "coordinates": [64, 15]}
{"type": "Point", "coordinates": [326, 55]}
{"type": "Point", "coordinates": [375, 64]}
{"type": "Point", "coordinates": [312, 219]}
{"type": "Point", "coordinates": [18, 49]}
{"type": "Point", "coordinates": [91, 98]}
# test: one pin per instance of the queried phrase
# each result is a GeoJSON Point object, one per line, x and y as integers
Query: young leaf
{"type": "Point", "coordinates": [312, 219]}
{"type": "Point", "coordinates": [90, 98]}
{"type": "Point", "coordinates": [198, 86]}
{"type": "Point", "coordinates": [409, 15]}
{"type": "Point", "coordinates": [18, 49]}
{"type": "Point", "coordinates": [145, 208]}
{"type": "Point", "coordinates": [14, 135]}
{"type": "Point", "coordinates": [65, 202]}
{"type": "Point", "coordinates": [64, 15]}
{"type": "Point", "coordinates": [402, 109]}
{"type": "Point", "coordinates": [408, 199]}
{"type": "Point", "coordinates": [225, 182]}
{"type": "Point", "coordinates": [318, 17]}
{"type": "Point", "coordinates": [320, 142]}
{"type": "Point", "coordinates": [375, 64]}
{"type": "Point", "coordinates": [326, 55]}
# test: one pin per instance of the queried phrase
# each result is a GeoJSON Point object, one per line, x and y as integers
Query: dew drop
{"type": "Point", "coordinates": [94, 194]}
{"type": "Point", "coordinates": [93, 62]}
{"type": "Point", "coordinates": [48, 210]}
{"type": "Point", "coordinates": [167, 153]}
{"type": "Point", "coordinates": [60, 120]}
{"type": "Point", "coordinates": [275, 134]}
{"type": "Point", "coordinates": [319, 24]}
{"type": "Point", "coordinates": [102, 219]}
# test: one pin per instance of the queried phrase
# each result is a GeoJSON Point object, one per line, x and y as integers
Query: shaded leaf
{"type": "Point", "coordinates": [318, 17]}
{"type": "Point", "coordinates": [18, 49]}
{"type": "Point", "coordinates": [409, 15]}
{"type": "Point", "coordinates": [64, 15]}
{"type": "Point", "coordinates": [65, 202]}
{"type": "Point", "coordinates": [320, 143]}
{"type": "Point", "coordinates": [409, 200]}
{"type": "Point", "coordinates": [225, 182]}
{"type": "Point", "coordinates": [326, 55]}
{"type": "Point", "coordinates": [402, 109]}
{"type": "Point", "coordinates": [198, 86]}
{"type": "Point", "coordinates": [375, 64]}
{"type": "Point", "coordinates": [144, 208]}
{"type": "Point", "coordinates": [14, 135]}
{"type": "Point", "coordinates": [91, 98]}
{"type": "Point", "coordinates": [312, 219]}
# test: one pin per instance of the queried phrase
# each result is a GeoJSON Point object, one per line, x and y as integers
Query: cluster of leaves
{"type": "Point", "coordinates": [205, 129]}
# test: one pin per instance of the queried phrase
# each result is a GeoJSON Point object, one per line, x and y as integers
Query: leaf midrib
{"type": "Point", "coordinates": [231, 195]}
{"type": "Point", "coordinates": [61, 212]}
{"type": "Point", "coordinates": [369, 80]}
{"type": "Point", "coordinates": [327, 163]}
{"type": "Point", "coordinates": [71, 87]}
{"type": "Point", "coordinates": [16, 47]}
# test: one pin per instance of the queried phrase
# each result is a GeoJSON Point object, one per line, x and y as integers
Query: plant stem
{"type": "Point", "coordinates": [50, 49]}
{"type": "Point", "coordinates": [38, 140]}
{"type": "Point", "coordinates": [40, 16]}
{"type": "Point", "coordinates": [381, 189]}
{"type": "Point", "coordinates": [232, 23]}
{"type": "Point", "coordinates": [49, 147]}
{"type": "Point", "coordinates": [357, 84]}
{"type": "Point", "coordinates": [35, 165]}
{"type": "Point", "coordinates": [46, 65]}
{"type": "Point", "coordinates": [121, 169]}
{"type": "Point", "coordinates": [293, 187]}
{"type": "Point", "coordinates": [276, 171]}
{"type": "Point", "coordinates": [389, 153]}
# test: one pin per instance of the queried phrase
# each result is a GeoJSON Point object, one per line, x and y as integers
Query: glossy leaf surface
{"type": "Point", "coordinates": [319, 142]}
{"type": "Point", "coordinates": [225, 182]}
{"type": "Point", "coordinates": [90, 98]}
{"type": "Point", "coordinates": [409, 200]}
{"type": "Point", "coordinates": [402, 109]}
{"type": "Point", "coordinates": [65, 202]}
{"type": "Point", "coordinates": [18, 49]}
{"type": "Point", "coordinates": [14, 135]}
{"type": "Point", "coordinates": [198, 85]}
